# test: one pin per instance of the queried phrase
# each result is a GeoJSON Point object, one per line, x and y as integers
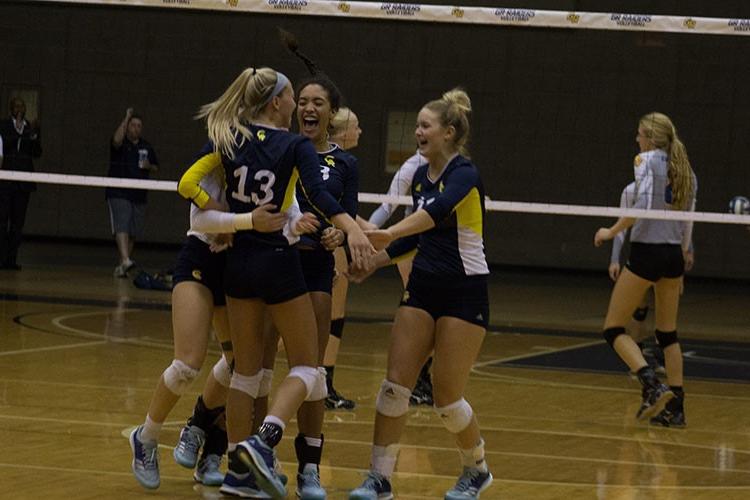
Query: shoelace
{"type": "Point", "coordinates": [466, 481]}
{"type": "Point", "coordinates": [190, 442]}
{"type": "Point", "coordinates": [311, 479]}
{"type": "Point", "coordinates": [373, 482]}
{"type": "Point", "coordinates": [211, 462]}
{"type": "Point", "coordinates": [149, 457]}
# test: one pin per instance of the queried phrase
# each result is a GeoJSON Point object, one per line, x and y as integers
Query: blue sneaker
{"type": "Point", "coordinates": [470, 484]}
{"type": "Point", "coordinates": [308, 484]}
{"type": "Point", "coordinates": [260, 458]}
{"type": "Point", "coordinates": [375, 487]}
{"type": "Point", "coordinates": [145, 460]}
{"type": "Point", "coordinates": [208, 472]}
{"type": "Point", "coordinates": [655, 398]}
{"type": "Point", "coordinates": [241, 485]}
{"type": "Point", "coordinates": [188, 446]}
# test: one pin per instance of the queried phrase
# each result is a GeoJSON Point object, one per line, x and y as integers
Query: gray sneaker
{"type": "Point", "coordinates": [375, 487]}
{"type": "Point", "coordinates": [188, 446]}
{"type": "Point", "coordinates": [145, 460]}
{"type": "Point", "coordinates": [470, 484]}
{"type": "Point", "coordinates": [308, 484]}
{"type": "Point", "coordinates": [208, 472]}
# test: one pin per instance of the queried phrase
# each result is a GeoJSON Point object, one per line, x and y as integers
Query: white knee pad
{"type": "Point", "coordinates": [456, 416]}
{"type": "Point", "coordinates": [320, 391]}
{"type": "Point", "coordinates": [393, 399]}
{"type": "Point", "coordinates": [265, 383]}
{"type": "Point", "coordinates": [178, 376]}
{"type": "Point", "coordinates": [250, 385]}
{"type": "Point", "coordinates": [222, 372]}
{"type": "Point", "coordinates": [308, 375]}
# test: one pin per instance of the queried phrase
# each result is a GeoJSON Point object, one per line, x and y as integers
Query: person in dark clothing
{"type": "Point", "coordinates": [21, 142]}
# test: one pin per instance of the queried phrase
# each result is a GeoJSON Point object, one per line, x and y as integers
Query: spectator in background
{"type": "Point", "coordinates": [20, 143]}
{"type": "Point", "coordinates": [130, 157]}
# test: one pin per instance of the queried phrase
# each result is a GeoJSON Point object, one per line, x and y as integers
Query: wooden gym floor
{"type": "Point", "coordinates": [80, 353]}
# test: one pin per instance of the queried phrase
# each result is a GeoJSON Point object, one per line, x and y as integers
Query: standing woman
{"type": "Point", "coordinates": [664, 180]}
{"type": "Point", "coordinates": [445, 308]}
{"type": "Point", "coordinates": [262, 160]}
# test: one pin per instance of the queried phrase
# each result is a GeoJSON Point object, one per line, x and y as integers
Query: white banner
{"type": "Point", "coordinates": [498, 16]}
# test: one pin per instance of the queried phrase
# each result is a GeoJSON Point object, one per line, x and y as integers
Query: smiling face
{"type": "Point", "coordinates": [432, 137]}
{"type": "Point", "coordinates": [314, 112]}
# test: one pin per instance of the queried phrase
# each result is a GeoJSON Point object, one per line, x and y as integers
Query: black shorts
{"type": "Point", "coordinates": [196, 262]}
{"type": "Point", "coordinates": [654, 261]}
{"type": "Point", "coordinates": [463, 297]}
{"type": "Point", "coordinates": [258, 270]}
{"type": "Point", "coordinates": [318, 269]}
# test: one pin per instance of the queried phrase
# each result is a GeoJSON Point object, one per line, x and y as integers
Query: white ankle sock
{"type": "Point", "coordinates": [474, 457]}
{"type": "Point", "coordinates": [384, 459]}
{"type": "Point", "coordinates": [150, 430]}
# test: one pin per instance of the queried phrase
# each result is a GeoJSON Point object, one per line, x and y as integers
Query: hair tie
{"type": "Point", "coordinates": [254, 71]}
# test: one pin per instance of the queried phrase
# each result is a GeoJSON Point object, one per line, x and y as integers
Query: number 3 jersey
{"type": "Point", "coordinates": [266, 169]}
{"type": "Point", "coordinates": [339, 172]}
{"type": "Point", "coordinates": [455, 201]}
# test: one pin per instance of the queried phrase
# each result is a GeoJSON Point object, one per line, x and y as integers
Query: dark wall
{"type": "Point", "coordinates": [555, 115]}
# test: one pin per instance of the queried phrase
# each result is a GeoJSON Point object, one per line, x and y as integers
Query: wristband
{"type": "Point", "coordinates": [243, 222]}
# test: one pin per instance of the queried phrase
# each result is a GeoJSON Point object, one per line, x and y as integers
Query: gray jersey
{"type": "Point", "coordinates": [651, 193]}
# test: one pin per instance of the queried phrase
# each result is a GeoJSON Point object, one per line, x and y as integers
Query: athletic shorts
{"type": "Point", "coordinates": [258, 270]}
{"type": "Point", "coordinates": [462, 297]}
{"type": "Point", "coordinates": [126, 216]}
{"type": "Point", "coordinates": [654, 261]}
{"type": "Point", "coordinates": [196, 262]}
{"type": "Point", "coordinates": [318, 268]}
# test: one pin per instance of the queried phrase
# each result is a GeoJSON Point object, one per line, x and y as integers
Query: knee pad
{"type": "Point", "coordinates": [222, 372]}
{"type": "Point", "coordinates": [250, 385]}
{"type": "Point", "coordinates": [640, 314]}
{"type": "Point", "coordinates": [393, 399]}
{"type": "Point", "coordinates": [265, 383]}
{"type": "Point", "coordinates": [610, 334]}
{"type": "Point", "coordinates": [337, 327]}
{"type": "Point", "coordinates": [320, 391]}
{"type": "Point", "coordinates": [178, 376]}
{"type": "Point", "coordinates": [456, 416]}
{"type": "Point", "coordinates": [666, 339]}
{"type": "Point", "coordinates": [308, 375]}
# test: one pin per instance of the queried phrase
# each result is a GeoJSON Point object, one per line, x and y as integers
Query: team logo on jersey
{"type": "Point", "coordinates": [441, 187]}
{"type": "Point", "coordinates": [261, 135]}
{"type": "Point", "coordinates": [638, 160]}
{"type": "Point", "coordinates": [405, 298]}
{"type": "Point", "coordinates": [330, 160]}
{"type": "Point", "coordinates": [197, 274]}
{"type": "Point", "coordinates": [418, 188]}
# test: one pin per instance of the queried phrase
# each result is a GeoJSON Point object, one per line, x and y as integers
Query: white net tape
{"type": "Point", "coordinates": [498, 16]}
{"type": "Point", "coordinates": [492, 206]}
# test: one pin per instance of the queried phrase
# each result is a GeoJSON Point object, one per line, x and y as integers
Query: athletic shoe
{"type": "Point", "coordinates": [189, 445]}
{"type": "Point", "coordinates": [654, 399]}
{"type": "Point", "coordinates": [375, 487]}
{"type": "Point", "coordinates": [335, 401]}
{"type": "Point", "coordinates": [673, 415]}
{"type": "Point", "coordinates": [259, 458]}
{"type": "Point", "coordinates": [208, 472]}
{"type": "Point", "coordinates": [470, 484]}
{"type": "Point", "coordinates": [279, 471]}
{"type": "Point", "coordinates": [120, 272]}
{"type": "Point", "coordinates": [241, 485]}
{"type": "Point", "coordinates": [145, 460]}
{"type": "Point", "coordinates": [422, 393]}
{"type": "Point", "coordinates": [308, 484]}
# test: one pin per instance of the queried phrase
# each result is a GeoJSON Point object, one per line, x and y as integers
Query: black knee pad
{"type": "Point", "coordinates": [610, 334]}
{"type": "Point", "coordinates": [666, 339]}
{"type": "Point", "coordinates": [640, 314]}
{"type": "Point", "coordinates": [337, 327]}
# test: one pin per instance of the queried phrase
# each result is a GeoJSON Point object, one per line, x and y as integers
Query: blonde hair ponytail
{"type": "Point", "coordinates": [453, 111]}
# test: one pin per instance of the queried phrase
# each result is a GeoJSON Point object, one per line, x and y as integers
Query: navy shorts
{"type": "Point", "coordinates": [462, 297]}
{"type": "Point", "coordinates": [259, 270]}
{"type": "Point", "coordinates": [196, 262]}
{"type": "Point", "coordinates": [318, 267]}
{"type": "Point", "coordinates": [654, 261]}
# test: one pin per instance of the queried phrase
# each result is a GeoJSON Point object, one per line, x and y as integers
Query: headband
{"type": "Point", "coordinates": [281, 83]}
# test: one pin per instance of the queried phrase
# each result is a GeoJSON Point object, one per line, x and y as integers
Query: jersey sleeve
{"type": "Point", "coordinates": [644, 182]}
{"type": "Point", "coordinates": [456, 185]}
{"type": "Point", "coordinates": [403, 247]}
{"type": "Point", "coordinates": [189, 186]}
{"type": "Point", "coordinates": [400, 186]}
{"type": "Point", "coordinates": [306, 159]}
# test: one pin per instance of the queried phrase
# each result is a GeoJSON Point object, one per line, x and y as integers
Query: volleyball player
{"type": "Point", "coordinates": [249, 126]}
{"type": "Point", "coordinates": [664, 180]}
{"type": "Point", "coordinates": [445, 307]}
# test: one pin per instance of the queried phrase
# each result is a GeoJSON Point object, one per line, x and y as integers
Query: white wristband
{"type": "Point", "coordinates": [243, 222]}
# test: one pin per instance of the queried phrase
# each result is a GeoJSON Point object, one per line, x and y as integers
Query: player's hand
{"type": "Point", "coordinates": [602, 235]}
{"type": "Point", "coordinates": [614, 271]}
{"type": "Point", "coordinates": [360, 248]}
{"type": "Point", "coordinates": [306, 223]}
{"type": "Point", "coordinates": [265, 221]}
{"type": "Point", "coordinates": [221, 242]}
{"type": "Point", "coordinates": [128, 113]}
{"type": "Point", "coordinates": [689, 258]}
{"type": "Point", "coordinates": [332, 238]}
{"type": "Point", "coordinates": [380, 238]}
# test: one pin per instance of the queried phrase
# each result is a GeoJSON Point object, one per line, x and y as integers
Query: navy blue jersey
{"type": "Point", "coordinates": [455, 201]}
{"type": "Point", "coordinates": [340, 174]}
{"type": "Point", "coordinates": [266, 169]}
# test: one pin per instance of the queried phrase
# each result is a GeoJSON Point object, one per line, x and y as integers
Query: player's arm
{"type": "Point", "coordinates": [189, 186]}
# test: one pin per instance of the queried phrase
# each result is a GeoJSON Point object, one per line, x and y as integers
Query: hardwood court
{"type": "Point", "coordinates": [80, 353]}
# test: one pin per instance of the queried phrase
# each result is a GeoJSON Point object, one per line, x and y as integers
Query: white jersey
{"type": "Point", "coordinates": [627, 198]}
{"type": "Point", "coordinates": [400, 186]}
{"type": "Point", "coordinates": [653, 193]}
